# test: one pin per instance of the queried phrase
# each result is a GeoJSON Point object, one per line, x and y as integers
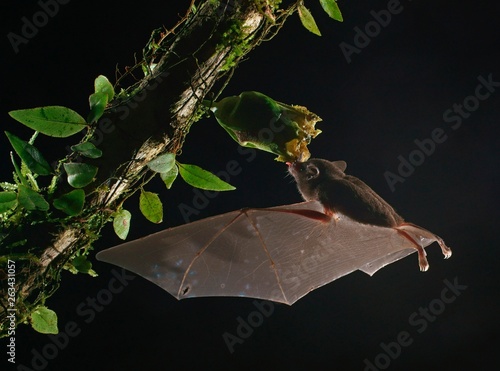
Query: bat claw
{"type": "Point", "coordinates": [424, 268]}
{"type": "Point", "coordinates": [446, 251]}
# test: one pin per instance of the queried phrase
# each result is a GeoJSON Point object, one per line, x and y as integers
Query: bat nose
{"type": "Point", "coordinates": [292, 166]}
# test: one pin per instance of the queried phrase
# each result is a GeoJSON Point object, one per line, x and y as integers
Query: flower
{"type": "Point", "coordinates": [257, 121]}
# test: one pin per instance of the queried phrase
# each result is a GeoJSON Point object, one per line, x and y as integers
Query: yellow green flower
{"type": "Point", "coordinates": [255, 120]}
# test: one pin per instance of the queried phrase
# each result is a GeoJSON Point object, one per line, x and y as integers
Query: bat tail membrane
{"type": "Point", "coordinates": [410, 238]}
{"type": "Point", "coordinates": [372, 267]}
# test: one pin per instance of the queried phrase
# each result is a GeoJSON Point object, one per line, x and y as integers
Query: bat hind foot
{"type": "Point", "coordinates": [445, 249]}
{"type": "Point", "coordinates": [419, 232]}
{"type": "Point", "coordinates": [422, 261]}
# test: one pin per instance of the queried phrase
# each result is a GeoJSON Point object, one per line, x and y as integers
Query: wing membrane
{"type": "Point", "coordinates": [275, 254]}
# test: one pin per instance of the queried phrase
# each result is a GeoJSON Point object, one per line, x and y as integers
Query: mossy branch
{"type": "Point", "coordinates": [148, 116]}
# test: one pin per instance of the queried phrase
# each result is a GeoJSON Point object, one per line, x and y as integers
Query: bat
{"type": "Point", "coordinates": [327, 183]}
{"type": "Point", "coordinates": [280, 253]}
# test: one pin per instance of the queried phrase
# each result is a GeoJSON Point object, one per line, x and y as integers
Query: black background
{"type": "Point", "coordinates": [394, 91]}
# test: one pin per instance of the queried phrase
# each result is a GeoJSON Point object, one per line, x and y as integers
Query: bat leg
{"type": "Point", "coordinates": [422, 260]}
{"type": "Point", "coordinates": [424, 233]}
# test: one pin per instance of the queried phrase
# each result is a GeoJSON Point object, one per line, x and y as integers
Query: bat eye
{"type": "Point", "coordinates": [299, 167]}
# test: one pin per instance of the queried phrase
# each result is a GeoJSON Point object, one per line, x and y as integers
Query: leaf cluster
{"type": "Point", "coordinates": [33, 197]}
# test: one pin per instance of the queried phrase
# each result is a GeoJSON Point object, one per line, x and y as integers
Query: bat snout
{"type": "Point", "coordinates": [293, 168]}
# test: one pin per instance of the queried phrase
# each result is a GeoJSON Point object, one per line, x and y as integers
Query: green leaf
{"type": "Point", "coordinates": [307, 20]}
{"type": "Point", "coordinates": [332, 9]}
{"type": "Point", "coordinates": [71, 203]}
{"type": "Point", "coordinates": [199, 178]}
{"type": "Point", "coordinates": [162, 163]}
{"type": "Point", "coordinates": [151, 206]}
{"type": "Point", "coordinates": [80, 175]}
{"type": "Point", "coordinates": [82, 265]}
{"type": "Point", "coordinates": [44, 320]}
{"type": "Point", "coordinates": [121, 223]}
{"type": "Point", "coordinates": [102, 85]}
{"type": "Point", "coordinates": [31, 200]}
{"type": "Point", "coordinates": [54, 121]}
{"type": "Point", "coordinates": [30, 155]}
{"type": "Point", "coordinates": [8, 201]}
{"type": "Point", "coordinates": [97, 102]}
{"type": "Point", "coordinates": [169, 177]}
{"type": "Point", "coordinates": [87, 149]}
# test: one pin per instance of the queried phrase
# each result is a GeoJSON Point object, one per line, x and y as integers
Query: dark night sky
{"type": "Point", "coordinates": [395, 91]}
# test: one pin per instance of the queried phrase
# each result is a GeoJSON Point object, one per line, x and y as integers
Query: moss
{"type": "Point", "coordinates": [237, 41]}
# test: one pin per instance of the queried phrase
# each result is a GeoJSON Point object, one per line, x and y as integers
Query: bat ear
{"type": "Point", "coordinates": [342, 165]}
{"type": "Point", "coordinates": [312, 171]}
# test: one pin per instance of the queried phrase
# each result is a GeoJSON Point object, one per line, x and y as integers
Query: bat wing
{"type": "Point", "coordinates": [278, 254]}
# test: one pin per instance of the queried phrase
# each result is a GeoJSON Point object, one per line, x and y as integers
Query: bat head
{"type": "Point", "coordinates": [310, 174]}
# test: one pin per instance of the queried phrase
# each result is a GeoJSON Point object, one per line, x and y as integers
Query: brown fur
{"type": "Point", "coordinates": [326, 182]}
